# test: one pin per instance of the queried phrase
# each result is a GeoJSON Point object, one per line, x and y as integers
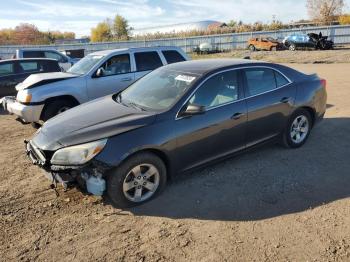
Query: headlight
{"type": "Point", "coordinates": [24, 97]}
{"type": "Point", "coordinates": [78, 155]}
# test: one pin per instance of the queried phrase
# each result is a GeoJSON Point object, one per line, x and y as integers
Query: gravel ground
{"type": "Point", "coordinates": [270, 204]}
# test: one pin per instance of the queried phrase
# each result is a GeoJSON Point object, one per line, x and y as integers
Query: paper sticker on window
{"type": "Point", "coordinates": [185, 78]}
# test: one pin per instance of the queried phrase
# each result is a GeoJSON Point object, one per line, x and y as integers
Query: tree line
{"type": "Point", "coordinates": [322, 12]}
{"type": "Point", "coordinates": [28, 34]}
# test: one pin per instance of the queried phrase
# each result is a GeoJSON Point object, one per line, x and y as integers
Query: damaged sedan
{"type": "Point", "coordinates": [177, 118]}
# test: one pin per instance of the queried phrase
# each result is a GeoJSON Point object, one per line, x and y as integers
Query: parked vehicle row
{"type": "Point", "coordinates": [177, 118]}
{"type": "Point", "coordinates": [42, 96]}
{"type": "Point", "coordinates": [64, 61]}
{"type": "Point", "coordinates": [291, 42]}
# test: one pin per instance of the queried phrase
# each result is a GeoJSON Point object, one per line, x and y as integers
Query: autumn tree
{"type": "Point", "coordinates": [102, 32]}
{"type": "Point", "coordinates": [25, 34]}
{"type": "Point", "coordinates": [324, 11]}
{"type": "Point", "coordinates": [344, 19]}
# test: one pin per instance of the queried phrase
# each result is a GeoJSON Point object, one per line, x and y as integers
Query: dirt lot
{"type": "Point", "coordinates": [271, 204]}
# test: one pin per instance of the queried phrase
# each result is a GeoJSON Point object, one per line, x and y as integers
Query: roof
{"type": "Point", "coordinates": [201, 67]}
{"type": "Point", "coordinates": [29, 59]}
{"type": "Point", "coordinates": [107, 52]}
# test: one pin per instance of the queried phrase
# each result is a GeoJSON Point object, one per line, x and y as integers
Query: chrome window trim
{"type": "Point", "coordinates": [235, 101]}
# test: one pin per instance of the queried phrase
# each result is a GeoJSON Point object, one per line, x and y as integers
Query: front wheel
{"type": "Point", "coordinates": [137, 180]}
{"type": "Point", "coordinates": [298, 129]}
{"type": "Point", "coordinates": [252, 48]}
{"type": "Point", "coordinates": [292, 47]}
{"type": "Point", "coordinates": [56, 107]}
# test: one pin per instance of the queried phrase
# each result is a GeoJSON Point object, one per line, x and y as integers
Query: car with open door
{"type": "Point", "coordinates": [173, 120]}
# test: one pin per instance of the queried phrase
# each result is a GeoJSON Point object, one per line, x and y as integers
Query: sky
{"type": "Point", "coordinates": [80, 16]}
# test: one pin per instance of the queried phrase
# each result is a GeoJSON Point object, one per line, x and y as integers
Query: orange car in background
{"type": "Point", "coordinates": [264, 43]}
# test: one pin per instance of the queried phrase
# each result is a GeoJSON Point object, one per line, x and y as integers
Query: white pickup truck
{"type": "Point", "coordinates": [42, 96]}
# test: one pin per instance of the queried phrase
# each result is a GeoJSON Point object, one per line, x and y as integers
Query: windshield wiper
{"type": "Point", "coordinates": [134, 105]}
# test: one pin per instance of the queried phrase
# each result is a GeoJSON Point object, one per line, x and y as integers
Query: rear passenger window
{"type": "Point", "coordinates": [28, 67]}
{"type": "Point", "coordinates": [260, 80]}
{"type": "Point", "coordinates": [280, 80]}
{"type": "Point", "coordinates": [146, 61]}
{"type": "Point", "coordinates": [173, 56]}
{"type": "Point", "coordinates": [6, 69]}
{"type": "Point", "coordinates": [33, 54]}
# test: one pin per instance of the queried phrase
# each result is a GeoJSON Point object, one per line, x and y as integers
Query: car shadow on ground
{"type": "Point", "coordinates": [266, 182]}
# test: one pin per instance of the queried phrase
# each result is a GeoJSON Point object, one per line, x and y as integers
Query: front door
{"type": "Point", "coordinates": [270, 97]}
{"type": "Point", "coordinates": [115, 76]}
{"type": "Point", "coordinates": [221, 129]}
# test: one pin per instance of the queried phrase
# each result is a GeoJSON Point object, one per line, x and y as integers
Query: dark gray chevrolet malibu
{"type": "Point", "coordinates": [177, 118]}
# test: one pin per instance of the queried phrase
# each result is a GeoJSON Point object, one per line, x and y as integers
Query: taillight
{"type": "Point", "coordinates": [324, 82]}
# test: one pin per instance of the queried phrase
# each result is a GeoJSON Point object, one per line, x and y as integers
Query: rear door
{"type": "Point", "coordinates": [270, 97]}
{"type": "Point", "coordinates": [146, 62]}
{"type": "Point", "coordinates": [26, 68]}
{"type": "Point", "coordinates": [7, 79]}
{"type": "Point", "coordinates": [117, 75]}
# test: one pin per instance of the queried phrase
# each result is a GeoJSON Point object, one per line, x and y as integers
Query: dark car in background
{"type": "Point", "coordinates": [175, 119]}
{"type": "Point", "coordinates": [14, 71]}
{"type": "Point", "coordinates": [307, 41]}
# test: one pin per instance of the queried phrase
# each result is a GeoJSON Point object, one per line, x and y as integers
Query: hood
{"type": "Point", "coordinates": [42, 79]}
{"type": "Point", "coordinates": [98, 119]}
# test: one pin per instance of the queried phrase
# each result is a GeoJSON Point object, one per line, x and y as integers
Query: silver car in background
{"type": "Point", "coordinates": [40, 97]}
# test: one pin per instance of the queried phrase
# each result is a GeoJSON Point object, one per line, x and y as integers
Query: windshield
{"type": "Point", "coordinates": [84, 65]}
{"type": "Point", "coordinates": [158, 90]}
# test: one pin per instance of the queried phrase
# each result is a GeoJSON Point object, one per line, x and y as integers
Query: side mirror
{"type": "Point", "coordinates": [99, 72]}
{"type": "Point", "coordinates": [192, 109]}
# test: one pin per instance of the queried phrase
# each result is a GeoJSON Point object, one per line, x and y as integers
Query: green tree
{"type": "Point", "coordinates": [121, 28]}
{"type": "Point", "coordinates": [102, 32]}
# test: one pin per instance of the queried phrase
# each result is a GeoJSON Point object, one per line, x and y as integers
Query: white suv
{"type": "Point", "coordinates": [42, 96]}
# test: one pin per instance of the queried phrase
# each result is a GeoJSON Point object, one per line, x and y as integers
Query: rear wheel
{"type": "Point", "coordinates": [56, 107]}
{"type": "Point", "coordinates": [137, 180]}
{"type": "Point", "coordinates": [298, 129]}
{"type": "Point", "coordinates": [252, 48]}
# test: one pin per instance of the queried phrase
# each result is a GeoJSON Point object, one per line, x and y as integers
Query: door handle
{"type": "Point", "coordinates": [285, 100]}
{"type": "Point", "coordinates": [126, 79]}
{"type": "Point", "coordinates": [237, 116]}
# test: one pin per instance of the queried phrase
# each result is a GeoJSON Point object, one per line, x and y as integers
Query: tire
{"type": "Point", "coordinates": [252, 48]}
{"type": "Point", "coordinates": [123, 182]}
{"type": "Point", "coordinates": [56, 107]}
{"type": "Point", "coordinates": [292, 47]}
{"type": "Point", "coordinates": [290, 134]}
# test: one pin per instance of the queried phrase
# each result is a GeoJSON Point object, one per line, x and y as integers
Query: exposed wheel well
{"type": "Point", "coordinates": [311, 112]}
{"type": "Point", "coordinates": [70, 98]}
{"type": "Point", "coordinates": [158, 153]}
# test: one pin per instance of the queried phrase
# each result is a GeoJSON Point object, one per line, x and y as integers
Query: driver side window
{"type": "Point", "coordinates": [117, 65]}
{"type": "Point", "coordinates": [218, 90]}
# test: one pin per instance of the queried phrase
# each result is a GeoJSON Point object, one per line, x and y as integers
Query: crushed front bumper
{"type": "Point", "coordinates": [85, 175]}
{"type": "Point", "coordinates": [28, 113]}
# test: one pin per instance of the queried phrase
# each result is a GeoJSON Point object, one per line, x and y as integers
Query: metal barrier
{"type": "Point", "coordinates": [339, 34]}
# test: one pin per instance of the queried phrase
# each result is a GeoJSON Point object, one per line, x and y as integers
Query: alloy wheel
{"type": "Point", "coordinates": [141, 182]}
{"type": "Point", "coordinates": [299, 129]}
